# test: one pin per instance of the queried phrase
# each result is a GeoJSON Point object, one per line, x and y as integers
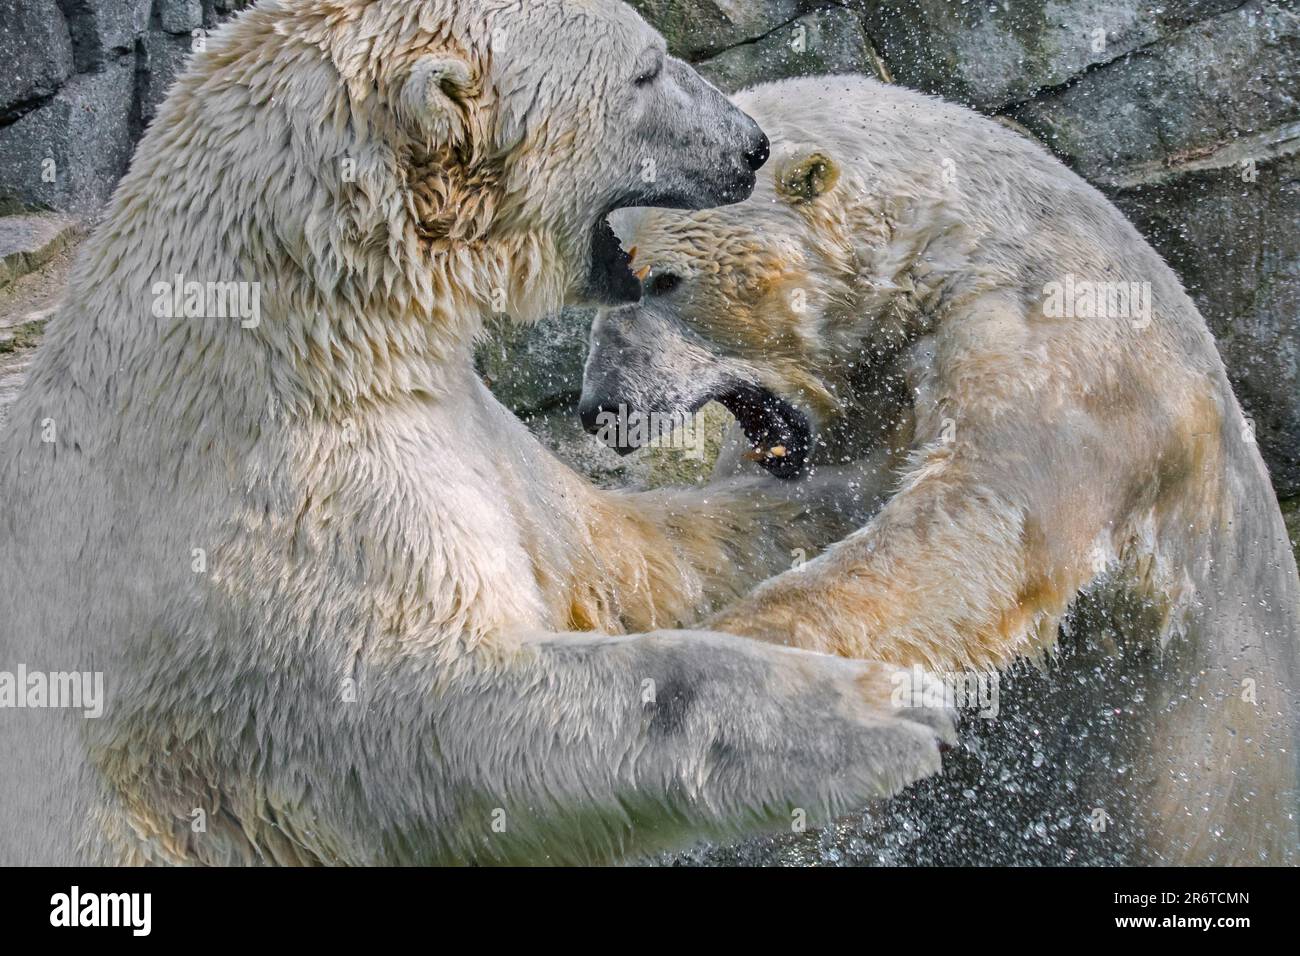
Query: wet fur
{"type": "Point", "coordinates": [1027, 461]}
{"type": "Point", "coordinates": [375, 654]}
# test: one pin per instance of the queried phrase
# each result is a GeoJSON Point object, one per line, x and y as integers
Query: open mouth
{"type": "Point", "coordinates": [778, 433]}
{"type": "Point", "coordinates": [610, 280]}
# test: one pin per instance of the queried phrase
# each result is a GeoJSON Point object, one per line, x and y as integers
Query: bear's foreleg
{"type": "Point", "coordinates": [667, 558]}
{"type": "Point", "coordinates": [581, 748]}
{"type": "Point", "coordinates": [937, 578]}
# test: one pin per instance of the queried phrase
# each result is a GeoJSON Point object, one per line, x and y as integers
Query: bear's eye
{"type": "Point", "coordinates": [650, 73]}
{"type": "Point", "coordinates": [663, 283]}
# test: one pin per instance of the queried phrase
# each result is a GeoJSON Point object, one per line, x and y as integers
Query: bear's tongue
{"type": "Point", "coordinates": [610, 280]}
{"type": "Point", "coordinates": [779, 432]}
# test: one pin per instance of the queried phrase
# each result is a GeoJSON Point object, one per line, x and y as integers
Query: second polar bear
{"type": "Point", "coordinates": [914, 281]}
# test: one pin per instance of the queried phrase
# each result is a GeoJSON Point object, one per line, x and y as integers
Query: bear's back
{"type": "Point", "coordinates": [1030, 215]}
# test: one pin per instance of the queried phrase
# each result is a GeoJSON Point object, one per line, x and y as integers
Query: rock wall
{"type": "Point", "coordinates": [83, 80]}
{"type": "Point", "coordinates": [1185, 112]}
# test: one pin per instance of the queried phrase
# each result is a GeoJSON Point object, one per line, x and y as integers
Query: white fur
{"type": "Point", "coordinates": [324, 573]}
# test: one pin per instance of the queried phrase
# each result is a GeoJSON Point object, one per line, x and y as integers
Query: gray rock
{"type": "Point", "coordinates": [695, 28]}
{"type": "Point", "coordinates": [36, 51]}
{"type": "Point", "coordinates": [1172, 133]}
{"type": "Point", "coordinates": [103, 29]}
{"type": "Point", "coordinates": [180, 16]}
{"type": "Point", "coordinates": [28, 241]}
{"type": "Point", "coordinates": [825, 41]}
{"type": "Point", "coordinates": [989, 53]}
{"type": "Point", "coordinates": [560, 430]}
{"type": "Point", "coordinates": [1234, 243]}
{"type": "Point", "coordinates": [534, 368]}
{"type": "Point", "coordinates": [163, 59]}
{"type": "Point", "coordinates": [1234, 75]}
{"type": "Point", "coordinates": [70, 153]}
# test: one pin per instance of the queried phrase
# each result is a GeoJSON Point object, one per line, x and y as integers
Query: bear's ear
{"type": "Point", "coordinates": [434, 98]}
{"type": "Point", "coordinates": [804, 174]}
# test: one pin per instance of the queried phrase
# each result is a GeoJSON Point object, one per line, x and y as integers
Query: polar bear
{"type": "Point", "coordinates": [331, 586]}
{"type": "Point", "coordinates": [1049, 420]}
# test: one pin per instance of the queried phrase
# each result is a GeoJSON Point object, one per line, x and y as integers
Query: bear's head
{"type": "Point", "coordinates": [798, 308]}
{"type": "Point", "coordinates": [742, 306]}
{"type": "Point", "coordinates": [386, 174]}
{"type": "Point", "coordinates": [493, 138]}
{"type": "Point", "coordinates": [591, 116]}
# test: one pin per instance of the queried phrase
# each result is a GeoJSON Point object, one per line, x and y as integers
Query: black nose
{"type": "Point", "coordinates": [757, 154]}
{"type": "Point", "coordinates": [608, 422]}
{"type": "Point", "coordinates": [594, 415]}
